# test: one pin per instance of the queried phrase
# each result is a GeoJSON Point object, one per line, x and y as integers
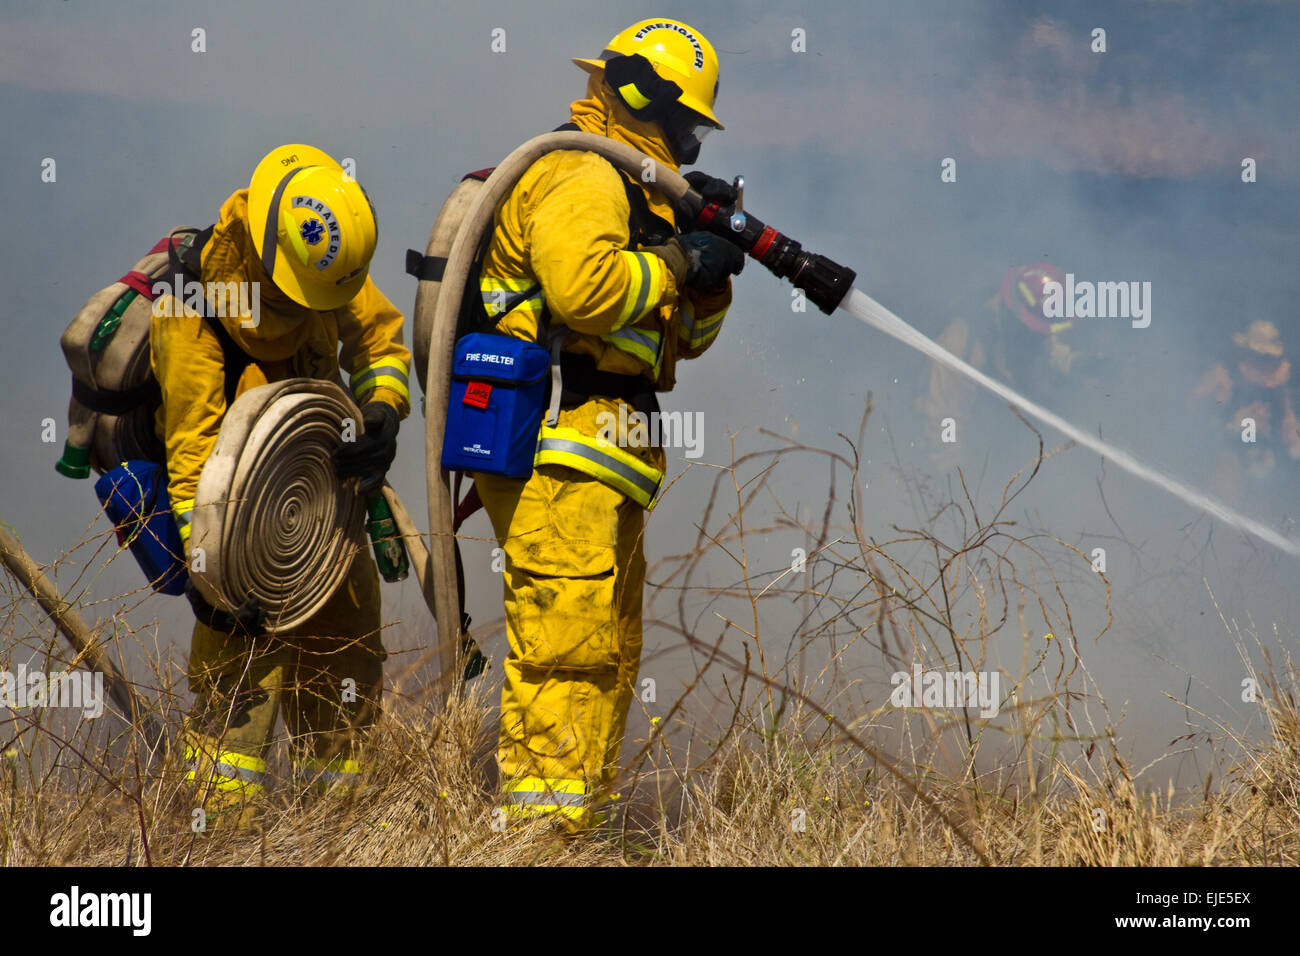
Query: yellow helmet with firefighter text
{"type": "Point", "coordinates": [678, 53]}
{"type": "Point", "coordinates": [313, 226]}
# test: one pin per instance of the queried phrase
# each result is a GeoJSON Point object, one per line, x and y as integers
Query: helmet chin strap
{"type": "Point", "coordinates": [273, 221]}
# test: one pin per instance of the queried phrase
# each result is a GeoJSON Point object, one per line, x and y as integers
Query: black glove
{"type": "Point", "coordinates": [710, 260]}
{"type": "Point", "coordinates": [711, 188]}
{"type": "Point", "coordinates": [247, 619]}
{"type": "Point", "coordinates": [370, 455]}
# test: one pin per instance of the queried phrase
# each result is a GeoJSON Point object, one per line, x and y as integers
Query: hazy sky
{"type": "Point", "coordinates": [1116, 166]}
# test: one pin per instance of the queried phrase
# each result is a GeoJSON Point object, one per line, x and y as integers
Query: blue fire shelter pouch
{"type": "Point", "coordinates": [494, 413]}
{"type": "Point", "coordinates": [134, 495]}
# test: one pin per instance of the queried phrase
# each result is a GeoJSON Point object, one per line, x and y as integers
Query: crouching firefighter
{"type": "Point", "coordinates": [589, 264]}
{"type": "Point", "coordinates": [302, 234]}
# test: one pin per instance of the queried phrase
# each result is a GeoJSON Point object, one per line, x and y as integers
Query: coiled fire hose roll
{"type": "Point", "coordinates": [271, 518]}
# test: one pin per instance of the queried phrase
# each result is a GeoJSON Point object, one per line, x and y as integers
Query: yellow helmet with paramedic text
{"type": "Point", "coordinates": [313, 226]}
{"type": "Point", "coordinates": [678, 53]}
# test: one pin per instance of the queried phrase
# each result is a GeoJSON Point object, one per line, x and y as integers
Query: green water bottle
{"type": "Point", "coordinates": [390, 551]}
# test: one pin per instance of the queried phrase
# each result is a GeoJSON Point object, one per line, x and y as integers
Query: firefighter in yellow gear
{"type": "Point", "coordinates": [1262, 431]}
{"type": "Point", "coordinates": [302, 234]}
{"type": "Point", "coordinates": [582, 251]}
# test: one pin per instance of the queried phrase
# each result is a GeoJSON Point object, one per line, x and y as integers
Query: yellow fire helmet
{"type": "Point", "coordinates": [312, 225]}
{"type": "Point", "coordinates": [677, 52]}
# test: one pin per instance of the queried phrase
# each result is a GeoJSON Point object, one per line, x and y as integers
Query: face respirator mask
{"type": "Point", "coordinates": [684, 129]}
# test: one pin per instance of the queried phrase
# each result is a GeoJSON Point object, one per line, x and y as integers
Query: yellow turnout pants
{"type": "Point", "coordinates": [326, 676]}
{"type": "Point", "coordinates": [574, 571]}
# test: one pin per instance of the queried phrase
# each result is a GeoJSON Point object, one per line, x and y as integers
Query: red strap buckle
{"type": "Point", "coordinates": [478, 394]}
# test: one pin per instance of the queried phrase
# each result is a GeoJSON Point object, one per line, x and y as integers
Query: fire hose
{"type": "Point", "coordinates": [271, 519]}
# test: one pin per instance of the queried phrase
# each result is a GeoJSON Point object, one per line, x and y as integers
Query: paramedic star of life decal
{"type": "Point", "coordinates": [331, 223]}
{"type": "Point", "coordinates": [312, 231]}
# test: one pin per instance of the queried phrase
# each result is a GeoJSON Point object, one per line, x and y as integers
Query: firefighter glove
{"type": "Point", "coordinates": [369, 456]}
{"type": "Point", "coordinates": [710, 260]}
{"type": "Point", "coordinates": [711, 188]}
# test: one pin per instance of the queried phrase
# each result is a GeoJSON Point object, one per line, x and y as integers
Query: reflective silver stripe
{"type": "Point", "coordinates": [549, 798]}
{"type": "Point", "coordinates": [563, 445]}
{"type": "Point", "coordinates": [396, 371]}
{"type": "Point", "coordinates": [231, 772]}
{"type": "Point", "coordinates": [648, 341]}
{"type": "Point", "coordinates": [695, 331]}
{"type": "Point", "coordinates": [687, 327]}
{"type": "Point", "coordinates": [492, 299]}
{"type": "Point", "coordinates": [711, 324]}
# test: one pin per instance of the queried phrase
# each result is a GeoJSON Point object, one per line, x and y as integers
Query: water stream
{"type": "Point", "coordinates": [862, 306]}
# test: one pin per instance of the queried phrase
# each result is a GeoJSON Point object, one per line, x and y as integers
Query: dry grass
{"type": "Point", "coordinates": [773, 753]}
{"type": "Point", "coordinates": [762, 801]}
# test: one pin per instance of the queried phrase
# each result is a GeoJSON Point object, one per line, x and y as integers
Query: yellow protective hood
{"type": "Point", "coordinates": [282, 327]}
{"type": "Point", "coordinates": [601, 113]}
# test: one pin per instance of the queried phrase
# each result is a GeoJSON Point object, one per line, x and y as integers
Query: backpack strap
{"type": "Point", "coordinates": [186, 258]}
{"type": "Point", "coordinates": [432, 267]}
{"type": "Point", "coordinates": [116, 402]}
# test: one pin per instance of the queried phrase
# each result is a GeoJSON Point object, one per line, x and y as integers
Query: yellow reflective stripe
{"type": "Point", "coordinates": [242, 761]}
{"type": "Point", "coordinates": [534, 795]}
{"type": "Point", "coordinates": [498, 292]}
{"type": "Point", "coordinates": [709, 327]}
{"type": "Point", "coordinates": [499, 300]}
{"type": "Point", "coordinates": [492, 283]}
{"type": "Point", "coordinates": [387, 372]}
{"type": "Point", "coordinates": [533, 304]}
{"type": "Point", "coordinates": [645, 286]}
{"type": "Point", "coordinates": [183, 510]}
{"type": "Point", "coordinates": [605, 462]}
{"type": "Point", "coordinates": [641, 344]}
{"type": "Point", "coordinates": [698, 333]}
{"type": "Point", "coordinates": [229, 770]}
{"type": "Point", "coordinates": [398, 385]}
{"type": "Point", "coordinates": [633, 97]}
{"type": "Point", "coordinates": [552, 784]}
